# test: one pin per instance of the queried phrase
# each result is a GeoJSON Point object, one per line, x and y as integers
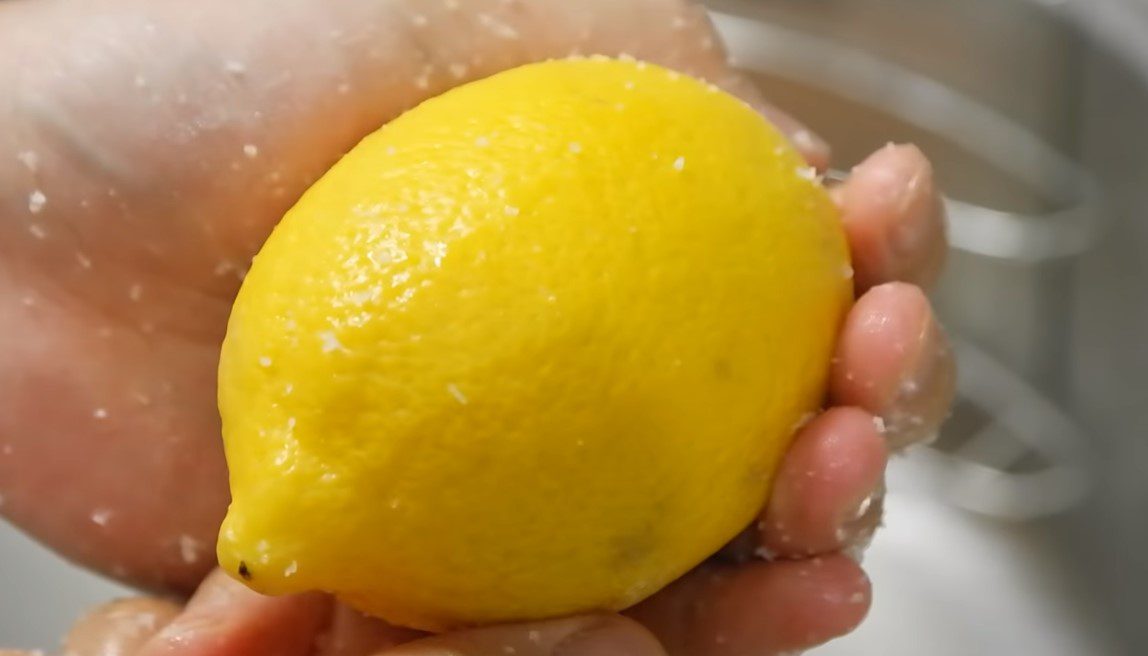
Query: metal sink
{"type": "Point", "coordinates": [1022, 529]}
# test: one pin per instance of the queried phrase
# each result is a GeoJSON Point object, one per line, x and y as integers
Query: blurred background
{"type": "Point", "coordinates": [1024, 528]}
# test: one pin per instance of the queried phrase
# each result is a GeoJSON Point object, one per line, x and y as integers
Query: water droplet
{"type": "Point", "coordinates": [458, 70]}
{"type": "Point", "coordinates": [101, 516]}
{"type": "Point", "coordinates": [510, 210]}
{"type": "Point", "coordinates": [36, 201]}
{"type": "Point", "coordinates": [234, 67]}
{"type": "Point", "coordinates": [83, 260]}
{"type": "Point", "coordinates": [250, 150]}
{"type": "Point", "coordinates": [575, 147]}
{"type": "Point", "coordinates": [291, 568]}
{"type": "Point", "coordinates": [135, 292]}
{"type": "Point", "coordinates": [264, 361]}
{"type": "Point", "coordinates": [100, 413]}
{"type": "Point", "coordinates": [847, 272]}
{"type": "Point", "coordinates": [857, 598]}
{"type": "Point", "coordinates": [879, 424]}
{"type": "Point", "coordinates": [679, 163]}
{"type": "Point", "coordinates": [37, 231]}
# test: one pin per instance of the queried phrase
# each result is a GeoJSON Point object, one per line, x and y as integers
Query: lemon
{"type": "Point", "coordinates": [535, 347]}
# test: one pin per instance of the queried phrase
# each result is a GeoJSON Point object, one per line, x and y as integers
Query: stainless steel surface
{"type": "Point", "coordinates": [1023, 530]}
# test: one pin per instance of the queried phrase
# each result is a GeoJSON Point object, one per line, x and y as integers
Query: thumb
{"type": "Point", "coordinates": [118, 627]}
{"type": "Point", "coordinates": [589, 635]}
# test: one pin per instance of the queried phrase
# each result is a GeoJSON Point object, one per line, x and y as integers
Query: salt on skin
{"type": "Point", "coordinates": [497, 27]}
{"type": "Point", "coordinates": [29, 159]}
{"type": "Point", "coordinates": [36, 201]}
{"type": "Point", "coordinates": [189, 549]}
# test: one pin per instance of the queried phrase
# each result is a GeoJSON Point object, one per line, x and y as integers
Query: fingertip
{"type": "Point", "coordinates": [119, 627]}
{"type": "Point", "coordinates": [824, 598]}
{"type": "Point", "coordinates": [894, 218]}
{"type": "Point", "coordinates": [893, 360]}
{"type": "Point", "coordinates": [825, 485]}
{"type": "Point", "coordinates": [759, 607]}
{"type": "Point", "coordinates": [225, 618]}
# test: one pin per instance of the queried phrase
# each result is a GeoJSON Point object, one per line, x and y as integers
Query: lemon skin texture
{"type": "Point", "coordinates": [535, 347]}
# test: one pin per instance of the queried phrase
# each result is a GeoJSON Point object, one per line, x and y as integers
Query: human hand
{"type": "Point", "coordinates": [155, 147]}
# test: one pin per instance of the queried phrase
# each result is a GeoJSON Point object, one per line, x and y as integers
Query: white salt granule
{"type": "Point", "coordinates": [36, 201]}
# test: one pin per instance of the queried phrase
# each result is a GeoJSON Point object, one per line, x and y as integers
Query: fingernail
{"type": "Point", "coordinates": [925, 390]}
{"type": "Point", "coordinates": [610, 637]}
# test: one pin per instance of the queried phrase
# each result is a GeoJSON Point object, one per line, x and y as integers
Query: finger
{"type": "Point", "coordinates": [894, 218]}
{"type": "Point", "coordinates": [352, 633]}
{"type": "Point", "coordinates": [119, 627]}
{"type": "Point", "coordinates": [823, 497]}
{"type": "Point", "coordinates": [894, 361]}
{"type": "Point", "coordinates": [591, 635]}
{"type": "Point", "coordinates": [224, 618]}
{"type": "Point", "coordinates": [758, 608]}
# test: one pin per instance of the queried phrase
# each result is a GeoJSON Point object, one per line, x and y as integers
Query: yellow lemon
{"type": "Point", "coordinates": [535, 347]}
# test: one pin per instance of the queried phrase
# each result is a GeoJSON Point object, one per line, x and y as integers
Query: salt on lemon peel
{"type": "Point", "coordinates": [535, 347]}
